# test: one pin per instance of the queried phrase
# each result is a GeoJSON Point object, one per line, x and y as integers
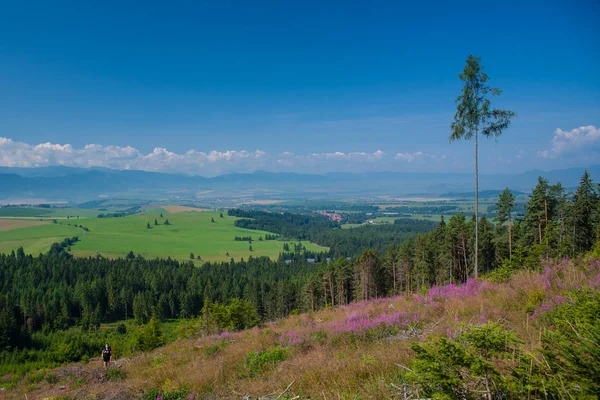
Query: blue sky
{"type": "Point", "coordinates": [221, 86]}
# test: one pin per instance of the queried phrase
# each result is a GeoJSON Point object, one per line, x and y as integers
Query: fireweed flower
{"type": "Point", "coordinates": [226, 336]}
{"type": "Point", "coordinates": [290, 338]}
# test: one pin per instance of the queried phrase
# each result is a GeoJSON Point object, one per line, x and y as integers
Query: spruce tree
{"type": "Point", "coordinates": [505, 204]}
{"type": "Point", "coordinates": [584, 208]}
{"type": "Point", "coordinates": [537, 210]}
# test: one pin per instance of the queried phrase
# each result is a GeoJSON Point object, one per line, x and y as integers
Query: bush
{"type": "Point", "coordinates": [172, 394]}
{"type": "Point", "coordinates": [121, 329]}
{"type": "Point", "coordinates": [151, 336]}
{"type": "Point", "coordinates": [466, 366]}
{"type": "Point", "coordinates": [51, 379]}
{"type": "Point", "coordinates": [115, 374]}
{"type": "Point", "coordinates": [210, 350]}
{"type": "Point", "coordinates": [35, 377]}
{"type": "Point", "coordinates": [261, 361]}
{"type": "Point", "coordinates": [572, 346]}
{"type": "Point", "coordinates": [79, 383]}
{"type": "Point", "coordinates": [235, 316]}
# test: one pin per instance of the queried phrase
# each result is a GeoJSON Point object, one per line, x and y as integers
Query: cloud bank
{"type": "Point", "coordinates": [566, 142]}
{"type": "Point", "coordinates": [20, 154]}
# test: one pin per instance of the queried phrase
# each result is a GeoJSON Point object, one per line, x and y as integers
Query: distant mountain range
{"type": "Point", "coordinates": [79, 184]}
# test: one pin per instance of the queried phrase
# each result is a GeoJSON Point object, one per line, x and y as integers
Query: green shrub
{"type": "Point", "coordinates": [151, 336]}
{"type": "Point", "coordinates": [79, 383]}
{"type": "Point", "coordinates": [464, 367]}
{"type": "Point", "coordinates": [115, 374]}
{"type": "Point", "coordinates": [180, 393]}
{"type": "Point", "coordinates": [35, 377]}
{"type": "Point", "coordinates": [210, 350]}
{"type": "Point", "coordinates": [121, 329]}
{"type": "Point", "coordinates": [235, 316]}
{"type": "Point", "coordinates": [572, 346]}
{"type": "Point", "coordinates": [534, 300]}
{"type": "Point", "coordinates": [51, 379]}
{"type": "Point", "coordinates": [261, 361]}
{"type": "Point", "coordinates": [159, 359]}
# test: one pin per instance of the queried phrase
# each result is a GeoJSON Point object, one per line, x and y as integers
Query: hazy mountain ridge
{"type": "Point", "coordinates": [77, 184]}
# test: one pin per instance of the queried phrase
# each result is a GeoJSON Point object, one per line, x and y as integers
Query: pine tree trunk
{"type": "Point", "coordinates": [464, 249]}
{"type": "Point", "coordinates": [476, 206]}
{"type": "Point", "coordinates": [331, 289]}
{"type": "Point", "coordinates": [394, 273]}
{"type": "Point", "coordinates": [546, 227]}
{"type": "Point", "coordinates": [509, 239]}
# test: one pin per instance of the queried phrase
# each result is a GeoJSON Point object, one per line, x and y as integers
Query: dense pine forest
{"type": "Point", "coordinates": [319, 229]}
{"type": "Point", "coordinates": [44, 295]}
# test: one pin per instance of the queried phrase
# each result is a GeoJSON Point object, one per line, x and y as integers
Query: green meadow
{"type": "Point", "coordinates": [35, 239]}
{"type": "Point", "coordinates": [187, 232]}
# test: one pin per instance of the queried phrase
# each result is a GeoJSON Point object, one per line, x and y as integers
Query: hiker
{"type": "Point", "coordinates": [106, 355]}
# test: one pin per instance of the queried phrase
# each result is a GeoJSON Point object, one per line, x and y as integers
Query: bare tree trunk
{"type": "Point", "coordinates": [476, 206]}
{"type": "Point", "coordinates": [509, 239]}
{"type": "Point", "coordinates": [331, 289]}
{"type": "Point", "coordinates": [547, 222]}
{"type": "Point", "coordinates": [464, 249]}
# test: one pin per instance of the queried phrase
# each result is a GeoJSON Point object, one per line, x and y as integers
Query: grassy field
{"type": "Point", "coordinates": [188, 232]}
{"type": "Point", "coordinates": [35, 238]}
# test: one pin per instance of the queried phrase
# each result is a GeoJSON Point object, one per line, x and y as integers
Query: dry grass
{"type": "Point", "coordinates": [330, 366]}
{"type": "Point", "coordinates": [10, 224]}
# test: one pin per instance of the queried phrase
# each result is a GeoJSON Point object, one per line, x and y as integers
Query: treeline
{"type": "Point", "coordinates": [288, 225]}
{"type": "Point", "coordinates": [56, 291]}
{"type": "Point", "coordinates": [122, 213]}
{"type": "Point", "coordinates": [320, 230]}
{"type": "Point", "coordinates": [351, 242]}
{"type": "Point", "coordinates": [424, 209]}
{"type": "Point", "coordinates": [556, 224]}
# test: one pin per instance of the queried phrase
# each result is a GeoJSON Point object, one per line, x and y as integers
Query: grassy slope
{"type": "Point", "coordinates": [326, 364]}
{"type": "Point", "coordinates": [35, 239]}
{"type": "Point", "coordinates": [189, 232]}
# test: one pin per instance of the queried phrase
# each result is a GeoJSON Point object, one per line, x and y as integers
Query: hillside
{"type": "Point", "coordinates": [514, 338]}
{"type": "Point", "coordinates": [78, 184]}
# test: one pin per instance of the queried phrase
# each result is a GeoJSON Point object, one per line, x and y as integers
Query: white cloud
{"type": "Point", "coordinates": [569, 141]}
{"type": "Point", "coordinates": [210, 163]}
{"type": "Point", "coordinates": [412, 157]}
{"type": "Point", "coordinates": [357, 156]}
{"type": "Point", "coordinates": [19, 154]}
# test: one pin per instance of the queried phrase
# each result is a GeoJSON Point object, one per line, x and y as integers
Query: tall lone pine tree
{"type": "Point", "coordinates": [475, 115]}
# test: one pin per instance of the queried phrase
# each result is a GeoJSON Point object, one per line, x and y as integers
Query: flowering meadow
{"type": "Point", "coordinates": [361, 349]}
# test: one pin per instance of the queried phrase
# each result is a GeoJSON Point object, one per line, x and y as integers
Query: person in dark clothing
{"type": "Point", "coordinates": [106, 355]}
